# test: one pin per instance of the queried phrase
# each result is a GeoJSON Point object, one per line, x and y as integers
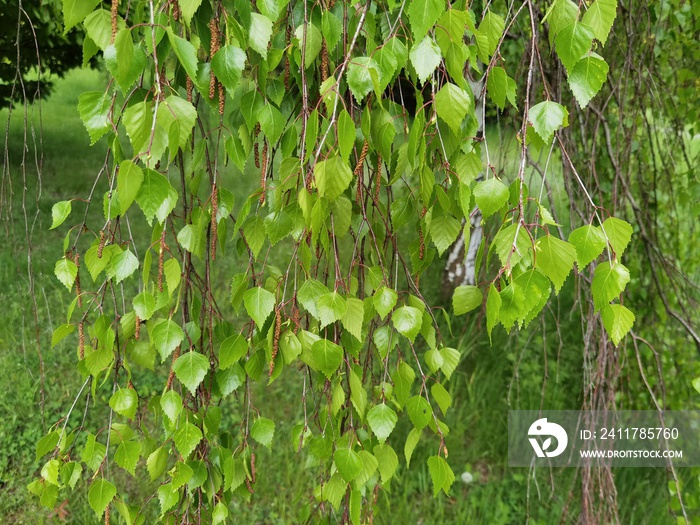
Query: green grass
{"type": "Point", "coordinates": [483, 388]}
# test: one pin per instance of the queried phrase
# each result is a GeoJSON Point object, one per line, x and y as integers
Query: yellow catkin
{"type": "Point", "coordinates": [377, 179]}
{"type": "Point", "coordinates": [161, 254]}
{"type": "Point", "coordinates": [214, 224]}
{"type": "Point", "coordinates": [81, 340]}
{"type": "Point", "coordinates": [114, 18]}
{"type": "Point", "coordinates": [137, 327]}
{"type": "Point", "coordinates": [275, 342]}
{"type": "Point", "coordinates": [222, 99]}
{"type": "Point", "coordinates": [213, 48]}
{"type": "Point", "coordinates": [263, 173]}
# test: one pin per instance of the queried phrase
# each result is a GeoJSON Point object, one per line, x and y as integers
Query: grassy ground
{"type": "Point", "coordinates": [481, 388]}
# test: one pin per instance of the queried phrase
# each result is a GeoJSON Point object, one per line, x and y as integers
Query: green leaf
{"type": "Point", "coordinates": [156, 462]}
{"type": "Point", "coordinates": [407, 321]}
{"type": "Point", "coordinates": [75, 11]}
{"type": "Point", "coordinates": [441, 474]}
{"type": "Point", "coordinates": [490, 196]}
{"type": "Point", "coordinates": [93, 107]}
{"type": "Point", "coordinates": [387, 461]}
{"type": "Point", "coordinates": [358, 394]}
{"type": "Point", "coordinates": [609, 281]}
{"type": "Point", "coordinates": [535, 289]}
{"type": "Point", "coordinates": [188, 8]}
{"type": "Point", "coordinates": [230, 379]}
{"type": "Point", "coordinates": [313, 43]}
{"type": "Point", "coordinates": [589, 242]}
{"type": "Point", "coordinates": [359, 76]}
{"type": "Point", "coordinates": [425, 57]}
{"type": "Point", "coordinates": [348, 463]}
{"type": "Point", "coordinates": [573, 43]}
{"type": "Point", "coordinates": [93, 452]}
{"type": "Point", "coordinates": [167, 497]}
{"type": "Point", "coordinates": [491, 26]}
{"type": "Point", "coordinates": [587, 78]}
{"type": "Point", "coordinates": [231, 351]}
{"type": "Point", "coordinates": [60, 333]}
{"type": "Point", "coordinates": [384, 301]}
{"type": "Point", "coordinates": [177, 110]}
{"type": "Point", "coordinates": [271, 122]}
{"type": "Point", "coordinates": [186, 439]}
{"type": "Point", "coordinates": [333, 176]}
{"type": "Point", "coordinates": [555, 258]}
{"type": "Point", "coordinates": [450, 360]}
{"type": "Point", "coordinates": [127, 456]}
{"type": "Point", "coordinates": [466, 298]}
{"type": "Point", "coordinates": [382, 420]}
{"type": "Point", "coordinates": [145, 305]}
{"type": "Point", "coordinates": [66, 271]}
{"type": "Point", "coordinates": [410, 445]}
{"type": "Point", "coordinates": [442, 397]}
{"type": "Point", "coordinates": [125, 402]}
{"type": "Point", "coordinates": [309, 293]}
{"type": "Point", "coordinates": [493, 308]}
{"type": "Point", "coordinates": [444, 230]}
{"type": "Point", "coordinates": [619, 234]}
{"type": "Point", "coordinates": [191, 368]}
{"type": "Point", "coordinates": [185, 53]}
{"type": "Point", "coordinates": [560, 14]}
{"type": "Point", "coordinates": [501, 87]}
{"type": "Point", "coordinates": [59, 213]}
{"type": "Point", "coordinates": [328, 356]}
{"type": "Point", "coordinates": [600, 17]}
{"type": "Point", "coordinates": [171, 403]}
{"type": "Point", "coordinates": [129, 180]}
{"type": "Point", "coordinates": [331, 308]}
{"type": "Point", "coordinates": [260, 33]}
{"type": "Point", "coordinates": [422, 14]}
{"type": "Point", "coordinates": [354, 317]}
{"type": "Point", "coordinates": [617, 321]}
{"type": "Point", "coordinates": [122, 266]}
{"type": "Point", "coordinates": [153, 194]}
{"type": "Point", "coordinates": [228, 65]}
{"type": "Point", "coordinates": [346, 134]}
{"type": "Point", "coordinates": [259, 303]}
{"type": "Point", "coordinates": [166, 337]}
{"type": "Point", "coordinates": [548, 117]}
{"type": "Point", "coordinates": [263, 431]}
{"type": "Point", "coordinates": [100, 495]}
{"type": "Point", "coordinates": [419, 411]}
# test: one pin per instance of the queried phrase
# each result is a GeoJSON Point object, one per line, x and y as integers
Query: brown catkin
{"type": "Point", "coordinates": [222, 99]}
{"type": "Point", "coordinates": [77, 280]}
{"type": "Point", "coordinates": [213, 48]}
{"type": "Point", "coordinates": [171, 375]}
{"type": "Point", "coordinates": [190, 88]}
{"type": "Point", "coordinates": [256, 150]}
{"type": "Point", "coordinates": [263, 173]}
{"type": "Point", "coordinates": [214, 223]}
{"type": "Point", "coordinates": [309, 179]}
{"type": "Point", "coordinates": [287, 67]}
{"type": "Point", "coordinates": [421, 247]}
{"type": "Point", "coordinates": [358, 192]}
{"type": "Point", "coordinates": [161, 254]}
{"type": "Point", "coordinates": [296, 318]}
{"type": "Point", "coordinates": [377, 179]}
{"type": "Point", "coordinates": [107, 515]}
{"type": "Point", "coordinates": [176, 10]}
{"type": "Point", "coordinates": [275, 343]}
{"type": "Point", "coordinates": [361, 160]}
{"type": "Point", "coordinates": [324, 60]}
{"type": "Point", "coordinates": [137, 327]}
{"type": "Point", "coordinates": [101, 246]}
{"type": "Point", "coordinates": [81, 340]}
{"type": "Point", "coordinates": [248, 486]}
{"type": "Point", "coordinates": [253, 473]}
{"type": "Point", "coordinates": [114, 18]}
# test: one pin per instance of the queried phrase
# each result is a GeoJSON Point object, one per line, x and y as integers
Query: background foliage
{"type": "Point", "coordinates": [290, 205]}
